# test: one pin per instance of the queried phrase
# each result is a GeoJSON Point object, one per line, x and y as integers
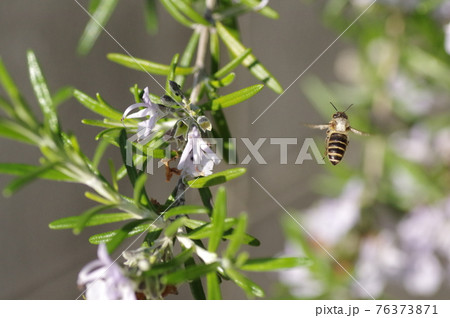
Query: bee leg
{"type": "Point", "coordinates": [321, 127]}
{"type": "Point", "coordinates": [356, 131]}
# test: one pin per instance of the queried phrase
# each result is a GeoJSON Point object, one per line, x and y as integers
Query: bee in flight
{"type": "Point", "coordinates": [337, 135]}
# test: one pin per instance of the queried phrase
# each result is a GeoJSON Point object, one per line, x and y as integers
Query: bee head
{"type": "Point", "coordinates": [340, 115]}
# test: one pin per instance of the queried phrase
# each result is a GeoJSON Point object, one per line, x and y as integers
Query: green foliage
{"type": "Point", "coordinates": [101, 11]}
{"type": "Point", "coordinates": [217, 178]}
{"type": "Point", "coordinates": [208, 239]}
{"type": "Point", "coordinates": [251, 62]}
{"type": "Point", "coordinates": [147, 66]}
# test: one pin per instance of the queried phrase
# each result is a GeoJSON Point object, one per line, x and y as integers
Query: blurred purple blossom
{"type": "Point", "coordinates": [103, 279]}
{"type": "Point", "coordinates": [379, 260]}
{"type": "Point", "coordinates": [330, 219]}
{"type": "Point", "coordinates": [414, 254]}
{"type": "Point", "coordinates": [412, 97]}
{"type": "Point", "coordinates": [414, 144]}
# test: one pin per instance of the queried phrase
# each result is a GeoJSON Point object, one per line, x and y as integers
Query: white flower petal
{"type": "Point", "coordinates": [132, 107]}
{"type": "Point", "coordinates": [104, 279]}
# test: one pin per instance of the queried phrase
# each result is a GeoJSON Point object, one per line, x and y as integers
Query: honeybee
{"type": "Point", "coordinates": [337, 135]}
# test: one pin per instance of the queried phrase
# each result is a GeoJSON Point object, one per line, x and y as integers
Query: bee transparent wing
{"type": "Point", "coordinates": [356, 131]}
{"type": "Point", "coordinates": [321, 127]}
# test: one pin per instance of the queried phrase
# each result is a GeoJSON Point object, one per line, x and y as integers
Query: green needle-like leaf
{"type": "Point", "coordinates": [212, 282]}
{"type": "Point", "coordinates": [174, 264]}
{"type": "Point", "coordinates": [7, 107]}
{"type": "Point", "coordinates": [255, 67]}
{"type": "Point", "coordinates": [23, 180]}
{"type": "Point", "coordinates": [214, 48]}
{"type": "Point", "coordinates": [62, 95]}
{"type": "Point", "coordinates": [187, 56]}
{"type": "Point", "coordinates": [93, 5]}
{"type": "Point", "coordinates": [217, 178]}
{"type": "Point", "coordinates": [21, 169]}
{"type": "Point", "coordinates": [247, 239]}
{"type": "Point", "coordinates": [237, 238]}
{"type": "Point", "coordinates": [98, 219]}
{"type": "Point", "coordinates": [274, 264]}
{"type": "Point", "coordinates": [125, 152]}
{"type": "Point", "coordinates": [233, 98]}
{"type": "Point", "coordinates": [176, 14]}
{"type": "Point", "coordinates": [205, 230]}
{"type": "Point", "coordinates": [251, 288]}
{"type": "Point", "coordinates": [126, 231]}
{"type": "Point", "coordinates": [195, 285]}
{"type": "Point", "coordinates": [42, 93]}
{"type": "Point", "coordinates": [189, 12]}
{"type": "Point", "coordinates": [147, 66]}
{"type": "Point", "coordinates": [84, 218]}
{"type": "Point", "coordinates": [190, 273]}
{"type": "Point", "coordinates": [218, 219]}
{"type": "Point", "coordinates": [152, 236]}
{"type": "Point", "coordinates": [113, 173]}
{"type": "Point", "coordinates": [139, 188]}
{"type": "Point", "coordinates": [21, 108]}
{"type": "Point", "coordinates": [171, 76]}
{"type": "Point", "coordinates": [185, 209]}
{"type": "Point", "coordinates": [173, 227]}
{"type": "Point", "coordinates": [227, 80]}
{"type": "Point", "coordinates": [12, 130]}
{"type": "Point", "coordinates": [151, 16]}
{"type": "Point", "coordinates": [100, 123]}
{"type": "Point", "coordinates": [100, 15]}
{"type": "Point", "coordinates": [232, 64]}
{"type": "Point", "coordinates": [266, 11]}
{"type": "Point", "coordinates": [108, 236]}
{"type": "Point", "coordinates": [100, 108]}
{"type": "Point", "coordinates": [99, 151]}
{"type": "Point", "coordinates": [206, 196]}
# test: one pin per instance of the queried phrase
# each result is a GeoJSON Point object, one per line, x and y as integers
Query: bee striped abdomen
{"type": "Point", "coordinates": [337, 144]}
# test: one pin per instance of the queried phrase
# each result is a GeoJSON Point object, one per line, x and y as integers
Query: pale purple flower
{"type": "Point", "coordinates": [197, 159]}
{"type": "Point", "coordinates": [423, 274]}
{"type": "Point", "coordinates": [379, 260]}
{"type": "Point", "coordinates": [411, 96]}
{"type": "Point", "coordinates": [150, 110]}
{"type": "Point", "coordinates": [331, 219]}
{"type": "Point", "coordinates": [414, 145]}
{"type": "Point", "coordinates": [419, 230]}
{"type": "Point", "coordinates": [410, 255]}
{"type": "Point", "coordinates": [103, 279]}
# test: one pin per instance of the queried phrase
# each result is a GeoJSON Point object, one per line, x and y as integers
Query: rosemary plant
{"type": "Point", "coordinates": [180, 243]}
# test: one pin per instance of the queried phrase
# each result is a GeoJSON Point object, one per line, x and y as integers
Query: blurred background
{"type": "Point", "coordinates": [384, 212]}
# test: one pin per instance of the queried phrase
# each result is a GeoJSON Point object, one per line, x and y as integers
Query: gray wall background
{"type": "Point", "coordinates": [39, 263]}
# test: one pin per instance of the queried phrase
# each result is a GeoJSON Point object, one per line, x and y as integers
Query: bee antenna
{"type": "Point", "coordinates": [348, 107]}
{"type": "Point", "coordinates": [333, 106]}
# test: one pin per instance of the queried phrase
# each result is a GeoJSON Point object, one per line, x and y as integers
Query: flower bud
{"type": "Point", "coordinates": [204, 123]}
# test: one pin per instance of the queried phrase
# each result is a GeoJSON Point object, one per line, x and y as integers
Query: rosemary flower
{"type": "Point", "coordinates": [197, 158]}
{"type": "Point", "coordinates": [150, 110]}
{"type": "Point", "coordinates": [103, 279]}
